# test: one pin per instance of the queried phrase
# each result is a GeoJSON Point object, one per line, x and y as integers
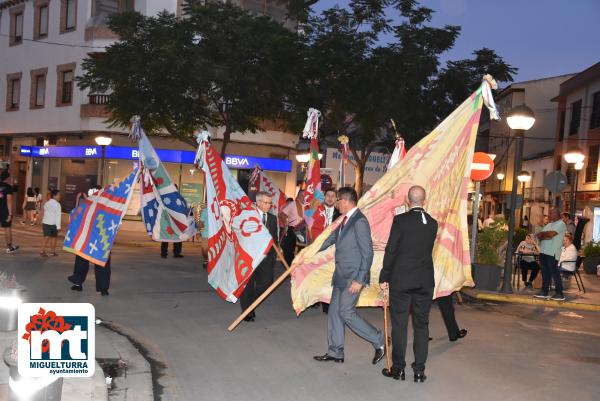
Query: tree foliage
{"type": "Point", "coordinates": [219, 66]}
{"type": "Point", "coordinates": [361, 82]}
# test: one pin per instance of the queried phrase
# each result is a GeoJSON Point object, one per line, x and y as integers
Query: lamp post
{"type": "Point", "coordinates": [574, 156]}
{"type": "Point", "coordinates": [103, 141]}
{"type": "Point", "coordinates": [523, 178]}
{"type": "Point", "coordinates": [520, 119]}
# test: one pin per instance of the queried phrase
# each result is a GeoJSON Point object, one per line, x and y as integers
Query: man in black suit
{"type": "Point", "coordinates": [408, 274]}
{"type": "Point", "coordinates": [262, 277]}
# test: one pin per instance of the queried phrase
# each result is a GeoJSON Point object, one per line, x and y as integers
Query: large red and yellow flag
{"type": "Point", "coordinates": [441, 163]}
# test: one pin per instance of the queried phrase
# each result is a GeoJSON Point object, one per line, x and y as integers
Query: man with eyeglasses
{"type": "Point", "coordinates": [262, 277]}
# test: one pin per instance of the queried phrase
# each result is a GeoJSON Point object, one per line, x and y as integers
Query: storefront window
{"type": "Point", "coordinates": [77, 175]}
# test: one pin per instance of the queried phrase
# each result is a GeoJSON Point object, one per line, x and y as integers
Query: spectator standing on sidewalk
{"type": "Point", "coordinates": [51, 222]}
{"type": "Point", "coordinates": [38, 204]}
{"type": "Point", "coordinates": [29, 208]}
{"type": "Point", "coordinates": [551, 239]}
{"type": "Point", "coordinates": [6, 212]}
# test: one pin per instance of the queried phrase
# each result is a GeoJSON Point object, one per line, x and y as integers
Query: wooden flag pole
{"type": "Point", "coordinates": [385, 329]}
{"type": "Point", "coordinates": [268, 291]}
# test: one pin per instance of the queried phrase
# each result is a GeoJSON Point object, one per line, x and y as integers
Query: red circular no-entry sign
{"type": "Point", "coordinates": [482, 166]}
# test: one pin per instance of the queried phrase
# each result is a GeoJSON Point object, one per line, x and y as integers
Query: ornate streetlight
{"type": "Point", "coordinates": [520, 119]}
{"type": "Point", "coordinates": [576, 157]}
{"type": "Point", "coordinates": [103, 141]}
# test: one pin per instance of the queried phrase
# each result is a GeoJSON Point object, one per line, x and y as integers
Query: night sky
{"type": "Point", "coordinates": [542, 38]}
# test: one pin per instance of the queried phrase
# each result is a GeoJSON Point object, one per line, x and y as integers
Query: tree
{"type": "Point", "coordinates": [219, 66]}
{"type": "Point", "coordinates": [359, 83]}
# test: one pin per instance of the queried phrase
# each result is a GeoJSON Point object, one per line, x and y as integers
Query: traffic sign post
{"type": "Point", "coordinates": [481, 168]}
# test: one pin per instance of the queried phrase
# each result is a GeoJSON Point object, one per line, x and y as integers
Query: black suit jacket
{"type": "Point", "coordinates": [408, 262]}
{"type": "Point", "coordinates": [272, 227]}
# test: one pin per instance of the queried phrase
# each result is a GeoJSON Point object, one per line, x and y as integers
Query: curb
{"type": "Point", "coordinates": [528, 300]}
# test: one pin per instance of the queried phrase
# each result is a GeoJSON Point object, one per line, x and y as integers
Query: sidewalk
{"type": "Point", "coordinates": [131, 234]}
{"type": "Point", "coordinates": [73, 389]}
{"type": "Point", "coordinates": [588, 301]}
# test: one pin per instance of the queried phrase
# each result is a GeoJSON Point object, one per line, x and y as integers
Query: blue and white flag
{"type": "Point", "coordinates": [95, 221]}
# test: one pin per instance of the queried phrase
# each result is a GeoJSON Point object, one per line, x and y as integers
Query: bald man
{"type": "Point", "coordinates": [408, 274]}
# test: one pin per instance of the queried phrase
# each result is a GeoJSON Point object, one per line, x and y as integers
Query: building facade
{"type": "Point", "coordinates": [48, 126]}
{"type": "Point", "coordinates": [538, 147]}
{"type": "Point", "coordinates": [578, 125]}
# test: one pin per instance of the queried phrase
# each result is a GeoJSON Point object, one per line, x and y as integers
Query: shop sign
{"type": "Point", "coordinates": [165, 155]}
{"type": "Point", "coordinates": [71, 152]}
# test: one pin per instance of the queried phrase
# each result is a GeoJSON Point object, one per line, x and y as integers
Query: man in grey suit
{"type": "Point", "coordinates": [353, 257]}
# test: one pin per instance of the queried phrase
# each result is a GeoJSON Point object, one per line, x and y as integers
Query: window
{"type": "Point", "coordinates": [591, 170]}
{"type": "Point", "coordinates": [40, 90]}
{"type": "Point", "coordinates": [575, 117]}
{"type": "Point", "coordinates": [64, 87]}
{"type": "Point", "coordinates": [16, 26]}
{"type": "Point", "coordinates": [67, 87]}
{"type": "Point", "coordinates": [13, 91]}
{"type": "Point", "coordinates": [108, 7]}
{"type": "Point", "coordinates": [595, 117]}
{"type": "Point", "coordinates": [37, 98]}
{"type": "Point", "coordinates": [40, 20]}
{"type": "Point", "coordinates": [68, 15]}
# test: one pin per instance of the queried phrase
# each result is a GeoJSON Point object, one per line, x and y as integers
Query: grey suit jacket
{"type": "Point", "coordinates": [353, 251]}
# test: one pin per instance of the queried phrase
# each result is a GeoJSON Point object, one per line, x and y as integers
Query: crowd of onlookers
{"type": "Point", "coordinates": [50, 213]}
{"type": "Point", "coordinates": [564, 248]}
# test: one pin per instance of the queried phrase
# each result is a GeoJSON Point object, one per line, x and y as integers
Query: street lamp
{"type": "Point", "coordinates": [576, 157]}
{"type": "Point", "coordinates": [523, 177]}
{"type": "Point", "coordinates": [520, 119]}
{"type": "Point", "coordinates": [103, 141]}
{"type": "Point", "coordinates": [303, 158]}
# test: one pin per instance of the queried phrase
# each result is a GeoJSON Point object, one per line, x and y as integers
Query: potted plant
{"type": "Point", "coordinates": [10, 298]}
{"type": "Point", "coordinates": [591, 251]}
{"type": "Point", "coordinates": [490, 243]}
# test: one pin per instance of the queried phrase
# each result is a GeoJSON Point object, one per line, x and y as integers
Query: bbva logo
{"type": "Point", "coordinates": [91, 151]}
{"type": "Point", "coordinates": [237, 161]}
{"type": "Point", "coordinates": [56, 340]}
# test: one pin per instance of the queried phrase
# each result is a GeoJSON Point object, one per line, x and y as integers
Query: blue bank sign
{"type": "Point", "coordinates": [166, 155]}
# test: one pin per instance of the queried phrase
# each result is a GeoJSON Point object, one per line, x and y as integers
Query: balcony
{"type": "Point", "coordinates": [536, 194]}
{"type": "Point", "coordinates": [96, 106]}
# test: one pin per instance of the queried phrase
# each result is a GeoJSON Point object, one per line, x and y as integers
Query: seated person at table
{"type": "Point", "coordinates": [528, 248]}
{"type": "Point", "coordinates": [568, 257]}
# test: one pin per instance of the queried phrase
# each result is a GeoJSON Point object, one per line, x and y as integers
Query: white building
{"type": "Point", "coordinates": [538, 146]}
{"type": "Point", "coordinates": [48, 125]}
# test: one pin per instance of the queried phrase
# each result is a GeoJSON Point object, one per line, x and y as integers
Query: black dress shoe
{"type": "Point", "coordinates": [104, 293]}
{"type": "Point", "coordinates": [163, 256]}
{"type": "Point", "coordinates": [379, 354]}
{"type": "Point", "coordinates": [394, 373]}
{"type": "Point", "coordinates": [420, 377]}
{"type": "Point", "coordinates": [178, 256]}
{"type": "Point", "coordinates": [76, 287]}
{"type": "Point", "coordinates": [328, 358]}
{"type": "Point", "coordinates": [249, 318]}
{"type": "Point", "coordinates": [461, 334]}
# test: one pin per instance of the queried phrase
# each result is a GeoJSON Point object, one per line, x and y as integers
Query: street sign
{"type": "Point", "coordinates": [482, 166]}
{"type": "Point", "coordinates": [555, 182]}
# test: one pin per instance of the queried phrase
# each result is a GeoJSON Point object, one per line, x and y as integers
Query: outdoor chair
{"type": "Point", "coordinates": [574, 273]}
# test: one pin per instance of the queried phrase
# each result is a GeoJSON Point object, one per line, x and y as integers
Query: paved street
{"type": "Point", "coordinates": [512, 352]}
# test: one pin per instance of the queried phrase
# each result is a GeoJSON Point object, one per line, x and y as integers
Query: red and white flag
{"type": "Point", "coordinates": [259, 181]}
{"type": "Point", "coordinates": [237, 239]}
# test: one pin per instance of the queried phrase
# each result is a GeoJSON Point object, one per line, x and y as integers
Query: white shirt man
{"type": "Point", "coordinates": [52, 213]}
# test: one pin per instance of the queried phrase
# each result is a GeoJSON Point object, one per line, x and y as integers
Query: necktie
{"type": "Point", "coordinates": [343, 223]}
{"type": "Point", "coordinates": [264, 219]}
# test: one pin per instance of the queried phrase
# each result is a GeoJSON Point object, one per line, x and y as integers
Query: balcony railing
{"type": "Point", "coordinates": [98, 99]}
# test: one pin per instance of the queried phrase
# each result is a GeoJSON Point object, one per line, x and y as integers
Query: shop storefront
{"type": "Point", "coordinates": [75, 169]}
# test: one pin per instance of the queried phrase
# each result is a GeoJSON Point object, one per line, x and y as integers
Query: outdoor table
{"type": "Point", "coordinates": [516, 279]}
